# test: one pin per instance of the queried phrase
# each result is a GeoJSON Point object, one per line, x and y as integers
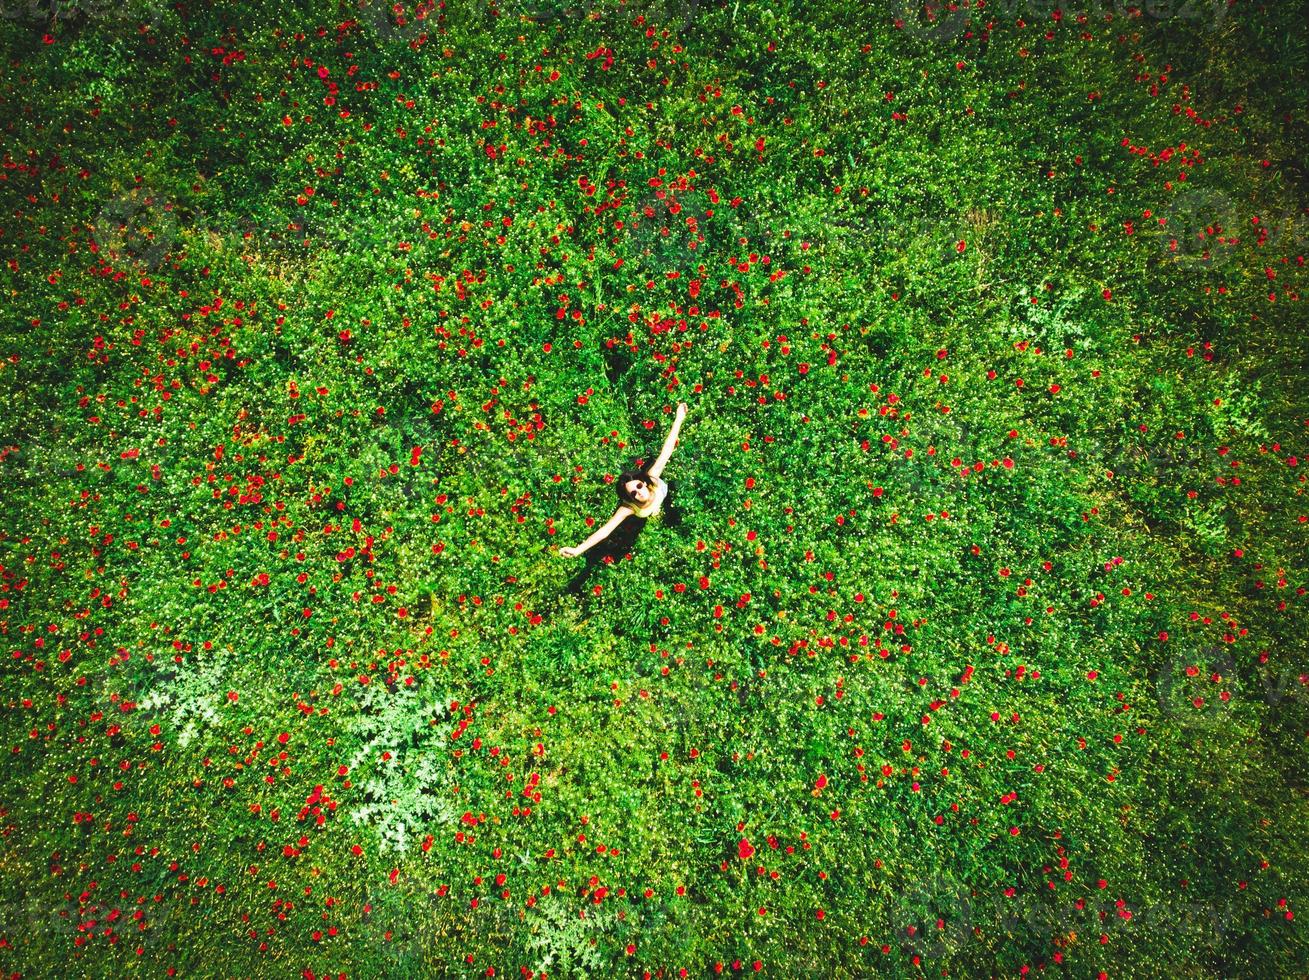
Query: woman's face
{"type": "Point", "coordinates": [640, 491]}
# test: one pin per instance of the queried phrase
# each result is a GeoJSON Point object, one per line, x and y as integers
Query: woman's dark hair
{"type": "Point", "coordinates": [620, 487]}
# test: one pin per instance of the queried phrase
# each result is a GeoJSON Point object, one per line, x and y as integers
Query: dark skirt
{"type": "Point", "coordinates": [611, 550]}
{"type": "Point", "coordinates": [622, 541]}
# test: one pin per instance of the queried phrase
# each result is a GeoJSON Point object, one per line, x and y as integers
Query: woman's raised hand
{"type": "Point", "coordinates": [681, 410]}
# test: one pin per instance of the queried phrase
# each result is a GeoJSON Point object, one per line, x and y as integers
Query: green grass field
{"type": "Point", "coordinates": [979, 648]}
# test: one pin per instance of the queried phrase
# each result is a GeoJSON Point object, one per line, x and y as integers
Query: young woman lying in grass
{"type": "Point", "coordinates": [641, 495]}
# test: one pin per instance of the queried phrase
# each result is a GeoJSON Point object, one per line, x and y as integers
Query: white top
{"type": "Point", "coordinates": [661, 491]}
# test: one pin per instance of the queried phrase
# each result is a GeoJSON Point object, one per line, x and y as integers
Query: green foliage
{"type": "Point", "coordinates": [976, 648]}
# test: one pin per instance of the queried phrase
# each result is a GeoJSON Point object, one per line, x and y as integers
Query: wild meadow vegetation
{"type": "Point", "coordinates": [979, 651]}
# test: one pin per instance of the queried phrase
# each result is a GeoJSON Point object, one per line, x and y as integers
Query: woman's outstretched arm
{"type": "Point", "coordinates": [657, 467]}
{"type": "Point", "coordinates": [599, 534]}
